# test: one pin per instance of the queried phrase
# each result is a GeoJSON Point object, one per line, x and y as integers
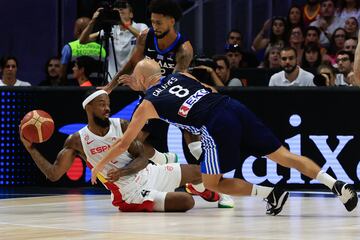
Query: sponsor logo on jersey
{"type": "Point", "coordinates": [100, 149]}
{"type": "Point", "coordinates": [190, 102]}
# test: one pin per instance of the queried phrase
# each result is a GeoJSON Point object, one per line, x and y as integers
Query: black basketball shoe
{"type": "Point", "coordinates": [346, 193]}
{"type": "Point", "coordinates": [275, 201]}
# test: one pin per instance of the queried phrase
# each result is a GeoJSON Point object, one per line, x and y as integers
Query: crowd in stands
{"type": "Point", "coordinates": [314, 45]}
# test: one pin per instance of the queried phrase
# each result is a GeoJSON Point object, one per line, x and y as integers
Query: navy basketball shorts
{"type": "Point", "coordinates": [231, 130]}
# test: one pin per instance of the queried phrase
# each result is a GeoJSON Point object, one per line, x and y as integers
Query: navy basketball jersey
{"type": "Point", "coordinates": [183, 100]}
{"type": "Point", "coordinates": [166, 57]}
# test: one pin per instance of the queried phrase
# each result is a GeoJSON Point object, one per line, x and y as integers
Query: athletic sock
{"type": "Point", "coordinates": [158, 158]}
{"type": "Point", "coordinates": [326, 179]}
{"type": "Point", "coordinates": [261, 191]}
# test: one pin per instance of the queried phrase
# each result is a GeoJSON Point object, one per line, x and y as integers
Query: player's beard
{"type": "Point", "coordinates": [104, 123]}
{"type": "Point", "coordinates": [163, 34]}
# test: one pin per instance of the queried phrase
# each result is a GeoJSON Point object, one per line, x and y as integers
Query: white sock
{"type": "Point", "coordinates": [199, 187]}
{"type": "Point", "coordinates": [195, 149]}
{"type": "Point", "coordinates": [326, 179]}
{"type": "Point", "coordinates": [158, 158]}
{"type": "Point", "coordinates": [261, 191]}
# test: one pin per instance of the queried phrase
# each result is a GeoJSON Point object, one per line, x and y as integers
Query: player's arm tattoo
{"type": "Point", "coordinates": [184, 57]}
{"type": "Point", "coordinates": [139, 161]}
{"type": "Point", "coordinates": [54, 171]}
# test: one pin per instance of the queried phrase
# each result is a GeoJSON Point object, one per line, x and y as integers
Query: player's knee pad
{"type": "Point", "coordinates": [195, 149]}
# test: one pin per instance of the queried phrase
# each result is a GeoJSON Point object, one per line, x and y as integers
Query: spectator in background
{"type": "Point", "coordinates": [296, 40]}
{"type": "Point", "coordinates": [295, 17]}
{"type": "Point", "coordinates": [74, 49]}
{"type": "Point", "coordinates": [347, 9]}
{"type": "Point", "coordinates": [222, 69]}
{"type": "Point", "coordinates": [272, 59]}
{"type": "Point", "coordinates": [124, 34]}
{"type": "Point", "coordinates": [336, 44]}
{"type": "Point", "coordinates": [311, 57]}
{"type": "Point", "coordinates": [292, 75]}
{"type": "Point", "coordinates": [234, 37]}
{"type": "Point", "coordinates": [235, 56]}
{"type": "Point", "coordinates": [356, 73]}
{"type": "Point", "coordinates": [9, 66]}
{"type": "Point", "coordinates": [82, 70]}
{"type": "Point", "coordinates": [351, 27]}
{"type": "Point", "coordinates": [312, 34]}
{"type": "Point", "coordinates": [327, 22]}
{"type": "Point", "coordinates": [53, 72]}
{"type": "Point", "coordinates": [311, 11]}
{"type": "Point", "coordinates": [345, 63]}
{"type": "Point", "coordinates": [325, 76]}
{"type": "Point", "coordinates": [350, 44]}
{"type": "Point", "coordinates": [278, 35]}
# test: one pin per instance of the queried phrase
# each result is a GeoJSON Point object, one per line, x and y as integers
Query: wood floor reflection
{"type": "Point", "coordinates": [93, 217]}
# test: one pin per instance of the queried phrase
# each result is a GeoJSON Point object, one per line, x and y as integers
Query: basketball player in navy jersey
{"type": "Point", "coordinates": [166, 46]}
{"type": "Point", "coordinates": [174, 53]}
{"type": "Point", "coordinates": [227, 127]}
{"type": "Point", "coordinates": [135, 184]}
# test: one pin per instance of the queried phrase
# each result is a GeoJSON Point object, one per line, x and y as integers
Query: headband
{"type": "Point", "coordinates": [92, 96]}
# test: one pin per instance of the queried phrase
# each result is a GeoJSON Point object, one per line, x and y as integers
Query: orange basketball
{"type": "Point", "coordinates": [37, 126]}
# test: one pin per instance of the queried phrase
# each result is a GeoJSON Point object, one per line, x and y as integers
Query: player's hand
{"type": "Point", "coordinates": [113, 174]}
{"type": "Point", "coordinates": [130, 81]}
{"type": "Point", "coordinates": [28, 145]}
{"type": "Point", "coordinates": [94, 173]}
{"type": "Point", "coordinates": [107, 88]}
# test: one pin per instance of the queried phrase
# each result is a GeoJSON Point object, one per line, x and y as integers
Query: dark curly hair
{"type": "Point", "coordinates": [167, 8]}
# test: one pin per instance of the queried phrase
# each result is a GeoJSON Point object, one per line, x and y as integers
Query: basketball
{"type": "Point", "coordinates": [37, 126]}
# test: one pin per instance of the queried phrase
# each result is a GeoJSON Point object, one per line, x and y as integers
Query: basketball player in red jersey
{"type": "Point", "coordinates": [135, 184]}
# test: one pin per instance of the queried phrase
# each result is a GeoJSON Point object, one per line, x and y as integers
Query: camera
{"type": "Point", "coordinates": [108, 15]}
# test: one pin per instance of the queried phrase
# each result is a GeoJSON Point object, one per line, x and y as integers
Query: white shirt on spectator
{"type": "Point", "coordinates": [345, 15]}
{"type": "Point", "coordinates": [18, 83]}
{"type": "Point", "coordinates": [124, 44]}
{"type": "Point", "coordinates": [234, 82]}
{"type": "Point", "coordinates": [336, 23]}
{"type": "Point", "coordinates": [340, 80]}
{"type": "Point", "coordinates": [304, 79]}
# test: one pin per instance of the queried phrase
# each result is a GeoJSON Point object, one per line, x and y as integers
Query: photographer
{"type": "Point", "coordinates": [75, 49]}
{"type": "Point", "coordinates": [123, 31]}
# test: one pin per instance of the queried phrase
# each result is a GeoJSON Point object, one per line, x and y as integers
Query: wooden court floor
{"type": "Point", "coordinates": [93, 217]}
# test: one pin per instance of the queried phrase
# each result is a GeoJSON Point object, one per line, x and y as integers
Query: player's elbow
{"type": "Point", "coordinates": [53, 176]}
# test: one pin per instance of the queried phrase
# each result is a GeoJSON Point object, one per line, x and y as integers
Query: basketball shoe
{"type": "Point", "coordinates": [275, 201]}
{"type": "Point", "coordinates": [225, 201]}
{"type": "Point", "coordinates": [346, 194]}
{"type": "Point", "coordinates": [207, 195]}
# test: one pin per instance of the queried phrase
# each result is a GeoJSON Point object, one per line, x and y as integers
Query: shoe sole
{"type": "Point", "coordinates": [352, 202]}
{"type": "Point", "coordinates": [225, 206]}
{"type": "Point", "coordinates": [276, 211]}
